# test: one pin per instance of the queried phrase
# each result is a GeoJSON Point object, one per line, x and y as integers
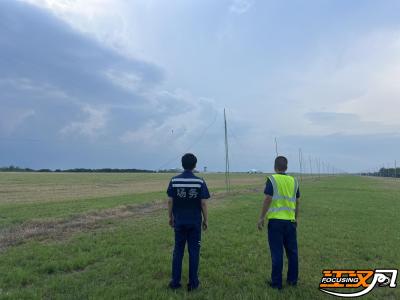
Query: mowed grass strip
{"type": "Point", "coordinates": [345, 223]}
{"type": "Point", "coordinates": [57, 227]}
{"type": "Point", "coordinates": [37, 196]}
{"type": "Point", "coordinates": [12, 215]}
{"type": "Point", "coordinates": [17, 213]}
{"type": "Point", "coordinates": [25, 187]}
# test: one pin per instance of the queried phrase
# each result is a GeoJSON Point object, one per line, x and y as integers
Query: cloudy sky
{"type": "Point", "coordinates": [136, 83]}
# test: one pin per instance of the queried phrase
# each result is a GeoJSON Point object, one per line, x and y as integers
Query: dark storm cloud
{"type": "Point", "coordinates": [49, 73]}
{"type": "Point", "coordinates": [60, 89]}
{"type": "Point", "coordinates": [36, 45]}
{"type": "Point", "coordinates": [48, 67]}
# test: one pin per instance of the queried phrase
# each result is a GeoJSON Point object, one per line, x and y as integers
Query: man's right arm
{"type": "Point", "coordinates": [170, 194]}
{"type": "Point", "coordinates": [269, 192]}
{"type": "Point", "coordinates": [266, 205]}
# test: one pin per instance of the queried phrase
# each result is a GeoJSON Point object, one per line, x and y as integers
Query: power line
{"type": "Point", "coordinates": [191, 145]}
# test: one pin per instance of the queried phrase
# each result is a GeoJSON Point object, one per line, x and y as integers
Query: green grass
{"type": "Point", "coordinates": [345, 222]}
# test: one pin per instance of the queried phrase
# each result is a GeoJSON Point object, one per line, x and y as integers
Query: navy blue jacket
{"type": "Point", "coordinates": [187, 191]}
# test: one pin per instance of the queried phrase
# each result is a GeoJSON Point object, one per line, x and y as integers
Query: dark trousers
{"type": "Point", "coordinates": [282, 234]}
{"type": "Point", "coordinates": [190, 233]}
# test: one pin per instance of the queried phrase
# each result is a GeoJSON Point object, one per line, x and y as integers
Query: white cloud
{"type": "Point", "coordinates": [11, 119]}
{"type": "Point", "coordinates": [34, 87]}
{"type": "Point", "coordinates": [376, 70]}
{"type": "Point", "coordinates": [240, 6]}
{"type": "Point", "coordinates": [108, 21]}
{"type": "Point", "coordinates": [127, 80]}
{"type": "Point", "coordinates": [185, 118]}
{"type": "Point", "coordinates": [360, 79]}
{"type": "Point", "coordinates": [69, 9]}
{"type": "Point", "coordinates": [92, 126]}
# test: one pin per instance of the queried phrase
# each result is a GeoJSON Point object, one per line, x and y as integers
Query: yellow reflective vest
{"type": "Point", "coordinates": [283, 204]}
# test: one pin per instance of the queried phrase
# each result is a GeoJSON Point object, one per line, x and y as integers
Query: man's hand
{"type": "Point", "coordinates": [264, 210]}
{"type": "Point", "coordinates": [260, 224]}
{"type": "Point", "coordinates": [171, 221]}
{"type": "Point", "coordinates": [205, 224]}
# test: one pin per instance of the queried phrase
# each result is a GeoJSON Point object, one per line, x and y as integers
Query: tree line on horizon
{"type": "Point", "coordinates": [85, 170]}
{"type": "Point", "coordinates": [384, 172]}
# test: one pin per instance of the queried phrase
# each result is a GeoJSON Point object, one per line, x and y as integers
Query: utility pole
{"type": "Point", "coordinates": [301, 164]}
{"type": "Point", "coordinates": [276, 148]}
{"type": "Point", "coordinates": [395, 169]}
{"type": "Point", "coordinates": [227, 179]}
{"type": "Point", "coordinates": [318, 164]}
{"type": "Point", "coordinates": [310, 165]}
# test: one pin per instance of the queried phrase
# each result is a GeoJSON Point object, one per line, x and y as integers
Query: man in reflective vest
{"type": "Point", "coordinates": [281, 205]}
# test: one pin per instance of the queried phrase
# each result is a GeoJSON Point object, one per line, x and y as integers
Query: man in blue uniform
{"type": "Point", "coordinates": [187, 209]}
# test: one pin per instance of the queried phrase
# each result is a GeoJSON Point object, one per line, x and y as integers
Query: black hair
{"type": "Point", "coordinates": [281, 163]}
{"type": "Point", "coordinates": [189, 161]}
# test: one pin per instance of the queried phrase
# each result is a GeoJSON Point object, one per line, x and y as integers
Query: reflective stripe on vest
{"type": "Point", "coordinates": [283, 205]}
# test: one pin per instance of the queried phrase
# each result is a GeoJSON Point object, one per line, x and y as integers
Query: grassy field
{"type": "Point", "coordinates": [105, 236]}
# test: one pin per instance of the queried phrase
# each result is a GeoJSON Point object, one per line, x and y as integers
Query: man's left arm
{"type": "Point", "coordinates": [204, 211]}
{"type": "Point", "coordinates": [170, 215]}
{"type": "Point", "coordinates": [296, 216]}
{"type": "Point", "coordinates": [297, 210]}
{"type": "Point", "coordinates": [170, 193]}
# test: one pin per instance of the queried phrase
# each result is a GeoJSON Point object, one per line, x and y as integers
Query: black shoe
{"type": "Point", "coordinates": [174, 286]}
{"type": "Point", "coordinates": [291, 283]}
{"type": "Point", "coordinates": [191, 288]}
{"type": "Point", "coordinates": [273, 286]}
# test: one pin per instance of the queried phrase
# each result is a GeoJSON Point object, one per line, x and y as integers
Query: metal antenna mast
{"type": "Point", "coordinates": [318, 164]}
{"type": "Point", "coordinates": [227, 179]}
{"type": "Point", "coordinates": [301, 164]}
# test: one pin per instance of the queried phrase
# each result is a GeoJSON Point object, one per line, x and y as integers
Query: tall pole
{"type": "Point", "coordinates": [301, 164]}
{"type": "Point", "coordinates": [276, 147]}
{"type": "Point", "coordinates": [310, 165]}
{"type": "Point", "coordinates": [227, 179]}
{"type": "Point", "coordinates": [395, 169]}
